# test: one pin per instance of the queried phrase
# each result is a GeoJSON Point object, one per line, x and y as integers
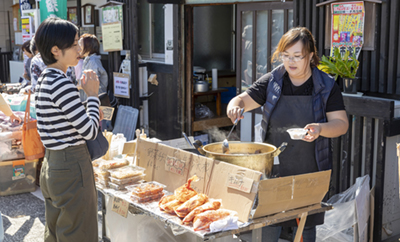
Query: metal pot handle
{"type": "Point", "coordinates": [199, 146]}
{"type": "Point", "coordinates": [280, 149]}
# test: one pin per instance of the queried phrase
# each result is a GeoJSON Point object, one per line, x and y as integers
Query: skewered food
{"type": "Point", "coordinates": [203, 220]}
{"type": "Point", "coordinates": [170, 206]}
{"type": "Point", "coordinates": [185, 192]}
{"type": "Point", "coordinates": [191, 204]}
{"type": "Point", "coordinates": [210, 205]}
{"type": "Point", "coordinates": [164, 200]}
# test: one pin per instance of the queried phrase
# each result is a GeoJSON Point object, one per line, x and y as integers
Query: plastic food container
{"type": "Point", "coordinates": [127, 181]}
{"type": "Point", "coordinates": [116, 186]}
{"type": "Point", "coordinates": [12, 181]}
{"type": "Point", "coordinates": [146, 189]}
{"type": "Point", "coordinates": [101, 172]}
{"type": "Point", "coordinates": [127, 171]}
{"type": "Point", "coordinates": [297, 134]}
{"type": "Point", "coordinates": [148, 198]}
{"type": "Point", "coordinates": [111, 164]}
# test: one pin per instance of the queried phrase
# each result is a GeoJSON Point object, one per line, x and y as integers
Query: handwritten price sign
{"type": "Point", "coordinates": [239, 182]}
{"type": "Point", "coordinates": [174, 165]}
{"type": "Point", "coordinates": [120, 206]}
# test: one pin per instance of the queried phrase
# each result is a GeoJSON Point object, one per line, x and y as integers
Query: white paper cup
{"type": "Point", "coordinates": [297, 134]}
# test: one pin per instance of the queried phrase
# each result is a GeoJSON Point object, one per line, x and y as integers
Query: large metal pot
{"type": "Point", "coordinates": [255, 156]}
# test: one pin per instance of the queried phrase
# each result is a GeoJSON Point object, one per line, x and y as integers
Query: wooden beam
{"type": "Point", "coordinates": [369, 107]}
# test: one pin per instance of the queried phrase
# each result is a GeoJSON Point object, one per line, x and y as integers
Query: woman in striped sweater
{"type": "Point", "coordinates": [66, 178]}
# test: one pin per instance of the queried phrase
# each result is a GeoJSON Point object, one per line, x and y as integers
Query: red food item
{"type": "Point", "coordinates": [210, 205]}
{"type": "Point", "coordinates": [170, 206]}
{"type": "Point", "coordinates": [164, 200]}
{"type": "Point", "coordinates": [203, 220]}
{"type": "Point", "coordinates": [191, 204]}
{"type": "Point", "coordinates": [185, 192]}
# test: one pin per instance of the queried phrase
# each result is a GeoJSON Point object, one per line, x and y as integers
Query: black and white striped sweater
{"type": "Point", "coordinates": [62, 120]}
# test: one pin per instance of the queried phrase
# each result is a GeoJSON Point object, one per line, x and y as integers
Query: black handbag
{"type": "Point", "coordinates": [97, 147]}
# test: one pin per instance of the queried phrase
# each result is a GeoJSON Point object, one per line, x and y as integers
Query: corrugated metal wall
{"type": "Point", "coordinates": [379, 70]}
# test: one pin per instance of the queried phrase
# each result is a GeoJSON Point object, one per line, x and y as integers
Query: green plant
{"type": "Point", "coordinates": [345, 66]}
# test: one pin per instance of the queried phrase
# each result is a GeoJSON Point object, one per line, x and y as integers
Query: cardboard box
{"type": "Point", "coordinates": [215, 180]}
{"type": "Point", "coordinates": [286, 193]}
{"type": "Point", "coordinates": [13, 181]}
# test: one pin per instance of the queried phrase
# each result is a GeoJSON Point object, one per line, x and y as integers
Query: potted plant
{"type": "Point", "coordinates": [345, 66]}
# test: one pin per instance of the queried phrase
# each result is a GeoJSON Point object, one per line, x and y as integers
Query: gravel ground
{"type": "Point", "coordinates": [23, 217]}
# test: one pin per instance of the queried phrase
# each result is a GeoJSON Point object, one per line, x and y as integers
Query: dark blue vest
{"type": "Point", "coordinates": [323, 84]}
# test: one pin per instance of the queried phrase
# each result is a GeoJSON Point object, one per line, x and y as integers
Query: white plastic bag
{"type": "Point", "coordinates": [339, 221]}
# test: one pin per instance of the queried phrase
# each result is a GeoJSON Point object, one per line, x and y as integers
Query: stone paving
{"type": "Point", "coordinates": [23, 217]}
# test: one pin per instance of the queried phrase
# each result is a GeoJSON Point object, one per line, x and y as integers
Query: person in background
{"type": "Point", "coordinates": [27, 67]}
{"type": "Point", "coordinates": [37, 66]}
{"type": "Point", "coordinates": [5, 108]}
{"type": "Point", "coordinates": [7, 111]}
{"type": "Point", "coordinates": [90, 46]}
{"type": "Point", "coordinates": [296, 94]}
{"type": "Point", "coordinates": [66, 178]}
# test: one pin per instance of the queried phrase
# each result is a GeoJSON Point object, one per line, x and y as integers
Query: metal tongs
{"type": "Point", "coordinates": [225, 144]}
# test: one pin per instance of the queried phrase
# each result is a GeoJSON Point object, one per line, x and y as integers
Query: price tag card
{"type": "Point", "coordinates": [239, 182]}
{"type": "Point", "coordinates": [120, 206]}
{"type": "Point", "coordinates": [174, 165]}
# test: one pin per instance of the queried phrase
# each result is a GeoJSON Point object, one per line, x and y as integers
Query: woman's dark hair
{"type": "Point", "coordinates": [26, 46]}
{"type": "Point", "coordinates": [33, 47]}
{"type": "Point", "coordinates": [294, 35]}
{"type": "Point", "coordinates": [54, 32]}
{"type": "Point", "coordinates": [90, 44]}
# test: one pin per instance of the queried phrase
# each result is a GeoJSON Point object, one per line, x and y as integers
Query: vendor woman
{"type": "Point", "coordinates": [296, 94]}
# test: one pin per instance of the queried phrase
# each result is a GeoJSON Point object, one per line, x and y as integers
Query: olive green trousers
{"type": "Point", "coordinates": [67, 184]}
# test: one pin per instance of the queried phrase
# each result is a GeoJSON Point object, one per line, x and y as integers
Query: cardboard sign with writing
{"type": "Point", "coordinates": [120, 206]}
{"type": "Point", "coordinates": [239, 182]}
{"type": "Point", "coordinates": [174, 165]}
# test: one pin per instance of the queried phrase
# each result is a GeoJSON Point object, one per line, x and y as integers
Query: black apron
{"type": "Point", "coordinates": [299, 156]}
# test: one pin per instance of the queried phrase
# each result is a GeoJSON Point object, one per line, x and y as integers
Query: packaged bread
{"type": "Point", "coordinates": [127, 171]}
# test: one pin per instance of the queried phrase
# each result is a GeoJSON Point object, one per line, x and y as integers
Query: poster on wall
{"type": "Point", "coordinates": [347, 27]}
{"type": "Point", "coordinates": [121, 85]}
{"type": "Point", "coordinates": [27, 28]}
{"type": "Point", "coordinates": [53, 8]}
{"type": "Point", "coordinates": [112, 36]}
{"type": "Point", "coordinates": [24, 5]}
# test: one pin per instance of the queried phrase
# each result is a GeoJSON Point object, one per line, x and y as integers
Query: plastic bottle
{"type": "Point", "coordinates": [126, 63]}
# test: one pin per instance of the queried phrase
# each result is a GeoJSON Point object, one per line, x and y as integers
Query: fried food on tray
{"type": "Point", "coordinates": [191, 204]}
{"type": "Point", "coordinates": [170, 206]}
{"type": "Point", "coordinates": [203, 220]}
{"type": "Point", "coordinates": [210, 205]}
{"type": "Point", "coordinates": [146, 189]}
{"type": "Point", "coordinates": [185, 192]}
{"type": "Point", "coordinates": [164, 200]}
